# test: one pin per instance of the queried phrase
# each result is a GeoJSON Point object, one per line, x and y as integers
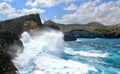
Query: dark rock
{"type": "Point", "coordinates": [24, 23]}
{"type": "Point", "coordinates": [79, 33]}
{"type": "Point", "coordinates": [6, 66]}
{"type": "Point", "coordinates": [69, 37]}
{"type": "Point", "coordinates": [10, 32]}
{"type": "Point", "coordinates": [8, 41]}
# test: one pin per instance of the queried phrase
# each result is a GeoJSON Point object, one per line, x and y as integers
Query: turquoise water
{"type": "Point", "coordinates": [103, 54]}
{"type": "Point", "coordinates": [47, 53]}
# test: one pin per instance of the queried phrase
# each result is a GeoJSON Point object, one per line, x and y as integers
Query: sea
{"type": "Point", "coordinates": [48, 53]}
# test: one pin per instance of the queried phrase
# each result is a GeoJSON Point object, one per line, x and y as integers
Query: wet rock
{"type": "Point", "coordinates": [7, 51]}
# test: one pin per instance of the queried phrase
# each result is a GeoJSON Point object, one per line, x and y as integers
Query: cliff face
{"type": "Point", "coordinates": [90, 30]}
{"type": "Point", "coordinates": [9, 43]}
{"type": "Point", "coordinates": [78, 33]}
{"type": "Point", "coordinates": [25, 23]}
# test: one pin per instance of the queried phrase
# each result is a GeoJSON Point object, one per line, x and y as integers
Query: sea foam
{"type": "Point", "coordinates": [88, 53]}
{"type": "Point", "coordinates": [41, 55]}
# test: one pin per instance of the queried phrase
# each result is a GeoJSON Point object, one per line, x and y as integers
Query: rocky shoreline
{"type": "Point", "coordinates": [10, 32]}
{"type": "Point", "coordinates": [7, 52]}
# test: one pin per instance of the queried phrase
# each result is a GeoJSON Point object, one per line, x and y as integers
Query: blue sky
{"type": "Point", "coordinates": [64, 11]}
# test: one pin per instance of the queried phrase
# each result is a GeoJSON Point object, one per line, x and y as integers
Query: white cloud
{"type": "Point", "coordinates": [26, 12]}
{"type": "Point", "coordinates": [14, 15]}
{"type": "Point", "coordinates": [5, 8]}
{"type": "Point", "coordinates": [118, 2]}
{"type": "Point", "coordinates": [71, 7]}
{"type": "Point", "coordinates": [46, 3]}
{"type": "Point", "coordinates": [8, 0]}
{"type": "Point", "coordinates": [106, 13]}
{"type": "Point", "coordinates": [32, 11]}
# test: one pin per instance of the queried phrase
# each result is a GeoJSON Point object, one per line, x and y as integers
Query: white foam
{"type": "Point", "coordinates": [95, 51]}
{"type": "Point", "coordinates": [38, 72]}
{"type": "Point", "coordinates": [41, 56]}
{"type": "Point", "coordinates": [87, 53]}
{"type": "Point", "coordinates": [61, 66]}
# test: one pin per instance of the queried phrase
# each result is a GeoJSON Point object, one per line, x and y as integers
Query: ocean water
{"type": "Point", "coordinates": [47, 53]}
{"type": "Point", "coordinates": [102, 54]}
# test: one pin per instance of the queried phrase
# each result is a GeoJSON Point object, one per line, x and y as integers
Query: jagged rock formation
{"type": "Point", "coordinates": [24, 23]}
{"type": "Point", "coordinates": [10, 32]}
{"type": "Point", "coordinates": [9, 43]}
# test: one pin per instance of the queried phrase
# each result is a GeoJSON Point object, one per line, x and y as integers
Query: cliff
{"type": "Point", "coordinates": [24, 23]}
{"type": "Point", "coordinates": [8, 50]}
{"type": "Point", "coordinates": [10, 31]}
{"type": "Point", "coordinates": [90, 30]}
{"type": "Point", "coordinates": [94, 32]}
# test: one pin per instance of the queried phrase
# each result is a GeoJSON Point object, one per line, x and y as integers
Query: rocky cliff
{"type": "Point", "coordinates": [24, 23]}
{"type": "Point", "coordinates": [9, 46]}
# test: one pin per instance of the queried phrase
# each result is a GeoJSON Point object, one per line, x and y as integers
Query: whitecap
{"type": "Point", "coordinates": [87, 53]}
{"type": "Point", "coordinates": [61, 66]}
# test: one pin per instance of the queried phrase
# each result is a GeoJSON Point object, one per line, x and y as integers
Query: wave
{"type": "Point", "coordinates": [91, 53]}
{"type": "Point", "coordinates": [41, 55]}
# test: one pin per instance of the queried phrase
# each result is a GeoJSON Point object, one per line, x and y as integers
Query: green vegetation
{"type": "Point", "coordinates": [97, 29]}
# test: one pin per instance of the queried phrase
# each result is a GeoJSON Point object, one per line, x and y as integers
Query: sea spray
{"type": "Point", "coordinates": [42, 53]}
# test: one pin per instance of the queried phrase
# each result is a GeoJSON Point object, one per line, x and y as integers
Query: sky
{"type": "Point", "coordinates": [106, 12]}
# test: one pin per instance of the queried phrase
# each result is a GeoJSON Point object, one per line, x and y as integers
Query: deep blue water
{"type": "Point", "coordinates": [103, 54]}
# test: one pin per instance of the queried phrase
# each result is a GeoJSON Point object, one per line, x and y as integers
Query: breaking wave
{"type": "Point", "coordinates": [42, 55]}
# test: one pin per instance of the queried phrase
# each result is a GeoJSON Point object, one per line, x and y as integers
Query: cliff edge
{"type": "Point", "coordinates": [28, 23]}
{"type": "Point", "coordinates": [10, 44]}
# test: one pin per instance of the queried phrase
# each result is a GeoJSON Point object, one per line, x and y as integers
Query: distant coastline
{"type": "Point", "coordinates": [90, 30]}
{"type": "Point", "coordinates": [71, 32]}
